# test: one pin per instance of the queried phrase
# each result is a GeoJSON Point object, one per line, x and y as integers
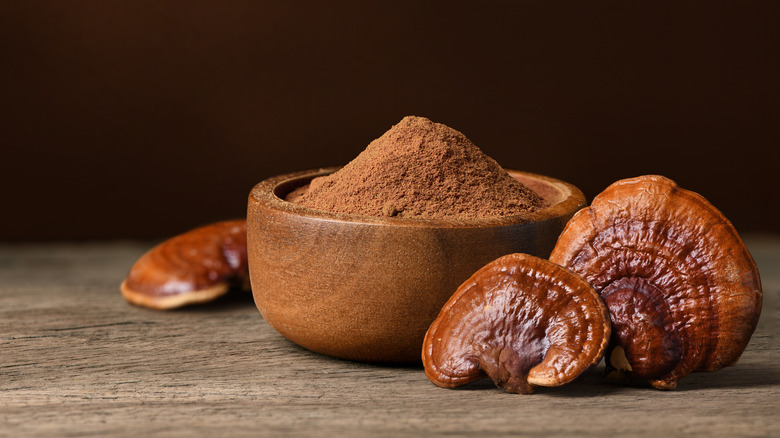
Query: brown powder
{"type": "Point", "coordinates": [421, 169]}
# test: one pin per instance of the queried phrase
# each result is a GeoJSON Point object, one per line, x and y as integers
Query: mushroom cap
{"type": "Point", "coordinates": [197, 266]}
{"type": "Point", "coordinates": [522, 321]}
{"type": "Point", "coordinates": [683, 292]}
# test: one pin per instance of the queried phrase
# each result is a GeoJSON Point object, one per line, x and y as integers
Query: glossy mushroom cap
{"type": "Point", "coordinates": [683, 292]}
{"type": "Point", "coordinates": [194, 267]}
{"type": "Point", "coordinates": [520, 320]}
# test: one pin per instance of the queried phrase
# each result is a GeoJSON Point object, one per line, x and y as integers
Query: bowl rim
{"type": "Point", "coordinates": [266, 193]}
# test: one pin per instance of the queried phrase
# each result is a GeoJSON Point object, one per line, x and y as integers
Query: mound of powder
{"type": "Point", "coordinates": [421, 169]}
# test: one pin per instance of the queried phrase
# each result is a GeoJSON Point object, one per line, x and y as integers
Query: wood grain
{"type": "Point", "coordinates": [76, 360]}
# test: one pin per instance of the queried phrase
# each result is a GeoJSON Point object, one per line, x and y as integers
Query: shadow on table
{"type": "Point", "coordinates": [233, 300]}
{"type": "Point", "coordinates": [594, 384]}
{"type": "Point", "coordinates": [741, 375]}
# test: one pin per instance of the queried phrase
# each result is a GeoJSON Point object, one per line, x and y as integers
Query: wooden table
{"type": "Point", "coordinates": [76, 359]}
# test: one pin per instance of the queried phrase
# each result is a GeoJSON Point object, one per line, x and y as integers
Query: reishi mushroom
{"type": "Point", "coordinates": [194, 267]}
{"type": "Point", "coordinates": [520, 320]}
{"type": "Point", "coordinates": [683, 291]}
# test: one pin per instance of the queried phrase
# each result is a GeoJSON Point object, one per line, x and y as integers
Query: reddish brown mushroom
{"type": "Point", "coordinates": [195, 267]}
{"type": "Point", "coordinates": [520, 320]}
{"type": "Point", "coordinates": [683, 292]}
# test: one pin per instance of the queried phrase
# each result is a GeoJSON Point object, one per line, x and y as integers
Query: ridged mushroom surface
{"type": "Point", "coordinates": [520, 320]}
{"type": "Point", "coordinates": [194, 267]}
{"type": "Point", "coordinates": [683, 291]}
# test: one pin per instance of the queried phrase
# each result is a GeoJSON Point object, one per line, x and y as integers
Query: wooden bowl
{"type": "Point", "coordinates": [367, 288]}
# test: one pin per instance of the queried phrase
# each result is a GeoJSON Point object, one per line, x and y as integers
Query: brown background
{"type": "Point", "coordinates": [143, 119]}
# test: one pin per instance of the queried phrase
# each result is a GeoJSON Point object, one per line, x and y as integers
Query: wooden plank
{"type": "Point", "coordinates": [76, 359]}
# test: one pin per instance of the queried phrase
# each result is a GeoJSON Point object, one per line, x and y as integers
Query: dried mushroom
{"type": "Point", "coordinates": [520, 320]}
{"type": "Point", "coordinates": [683, 292]}
{"type": "Point", "coordinates": [194, 267]}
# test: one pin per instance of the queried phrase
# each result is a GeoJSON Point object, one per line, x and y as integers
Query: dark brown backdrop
{"type": "Point", "coordinates": [143, 119]}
